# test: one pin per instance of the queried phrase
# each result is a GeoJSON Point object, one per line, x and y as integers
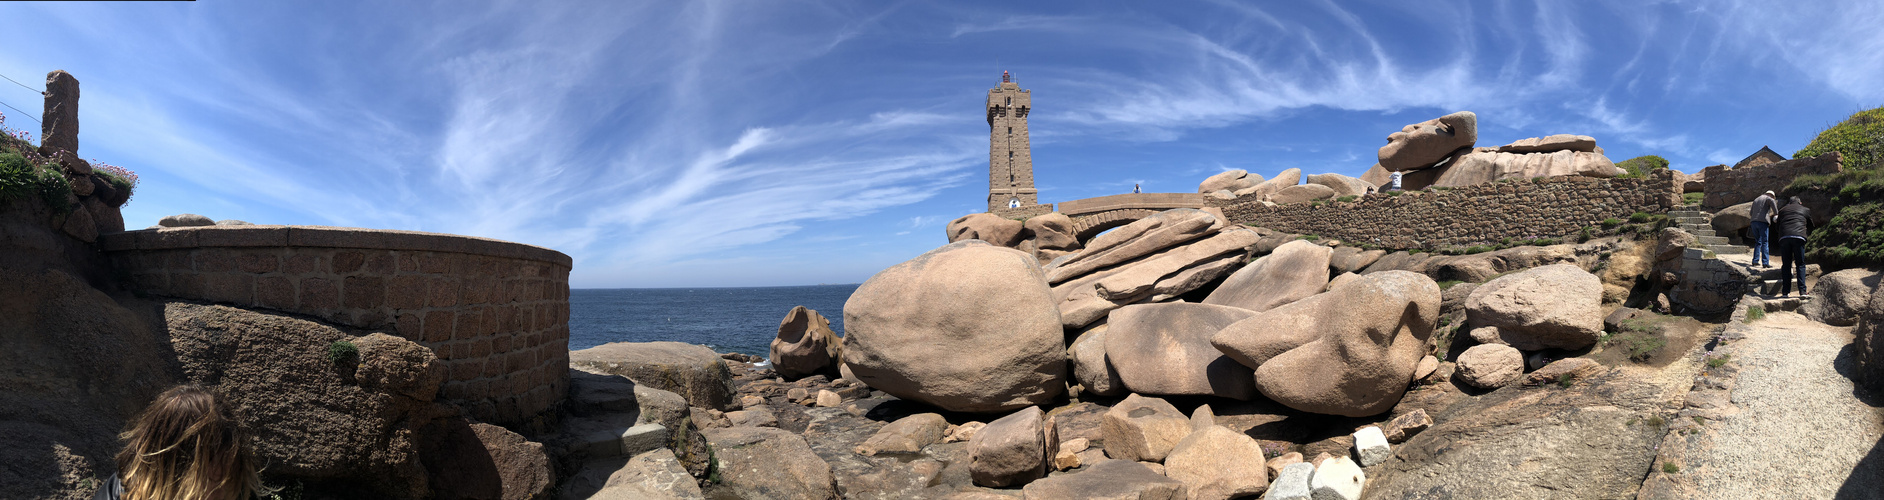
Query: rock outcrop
{"type": "Point", "coordinates": [1091, 367]}
{"type": "Point", "coordinates": [1490, 366]}
{"type": "Point", "coordinates": [1165, 349]}
{"type": "Point", "coordinates": [1422, 144]}
{"type": "Point", "coordinates": [1232, 180]}
{"type": "Point", "coordinates": [966, 327]}
{"type": "Point", "coordinates": [1292, 272]}
{"type": "Point", "coordinates": [694, 372]}
{"type": "Point", "coordinates": [1485, 165]}
{"type": "Point", "coordinates": [762, 462]}
{"type": "Point", "coordinates": [991, 228]}
{"type": "Point", "coordinates": [1262, 190]}
{"type": "Point", "coordinates": [1152, 260]}
{"type": "Point", "coordinates": [1555, 306]}
{"type": "Point", "coordinates": [1342, 185]}
{"type": "Point", "coordinates": [1841, 296]}
{"type": "Point", "coordinates": [1108, 480]}
{"type": "Point", "coordinates": [1349, 351]}
{"type": "Point", "coordinates": [805, 345]}
{"type": "Point", "coordinates": [1868, 347]}
{"type": "Point", "coordinates": [1301, 193]}
{"type": "Point", "coordinates": [357, 418]}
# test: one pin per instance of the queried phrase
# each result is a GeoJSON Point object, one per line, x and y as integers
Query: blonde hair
{"type": "Point", "coordinates": [185, 446]}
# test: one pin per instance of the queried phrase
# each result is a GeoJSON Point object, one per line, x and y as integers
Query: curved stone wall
{"type": "Point", "coordinates": [495, 312]}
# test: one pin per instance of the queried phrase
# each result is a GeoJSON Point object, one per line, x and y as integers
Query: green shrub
{"type": "Point", "coordinates": [1393, 193]}
{"type": "Point", "coordinates": [1611, 223]}
{"type": "Point", "coordinates": [1641, 166]}
{"type": "Point", "coordinates": [1670, 467]}
{"type": "Point", "coordinates": [1477, 249]}
{"type": "Point", "coordinates": [1640, 217]}
{"type": "Point", "coordinates": [1564, 380]}
{"type": "Point", "coordinates": [20, 178]}
{"type": "Point", "coordinates": [1860, 138]}
{"type": "Point", "coordinates": [1584, 234]}
{"type": "Point", "coordinates": [342, 352]}
{"type": "Point", "coordinates": [1347, 198]}
{"type": "Point", "coordinates": [1309, 237]}
{"type": "Point", "coordinates": [1717, 361]}
{"type": "Point", "coordinates": [1756, 313]}
{"type": "Point", "coordinates": [1692, 198]}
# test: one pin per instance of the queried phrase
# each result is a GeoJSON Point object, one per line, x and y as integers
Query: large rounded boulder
{"type": "Point", "coordinates": [1349, 351]}
{"type": "Point", "coordinates": [1555, 306]}
{"type": "Point", "coordinates": [966, 327]}
{"type": "Point", "coordinates": [692, 371]}
{"type": "Point", "coordinates": [1165, 349]}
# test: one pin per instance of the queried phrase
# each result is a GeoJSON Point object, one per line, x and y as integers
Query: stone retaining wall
{"type": "Point", "coordinates": [1726, 187]}
{"type": "Point", "coordinates": [496, 313]}
{"type": "Point", "coordinates": [1545, 207]}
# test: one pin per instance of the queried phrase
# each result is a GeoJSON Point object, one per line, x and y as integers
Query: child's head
{"type": "Point", "coordinates": [186, 446]}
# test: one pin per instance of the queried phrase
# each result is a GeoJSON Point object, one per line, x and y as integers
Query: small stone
{"type": "Point", "coordinates": [797, 394]}
{"type": "Point", "coordinates": [642, 438]}
{"type": "Point", "coordinates": [750, 401]}
{"type": "Point", "coordinates": [1486, 335]}
{"type": "Point", "coordinates": [964, 432]}
{"type": "Point", "coordinates": [1142, 429]}
{"type": "Point", "coordinates": [1292, 483]}
{"type": "Point", "coordinates": [1406, 425]}
{"type": "Point", "coordinates": [1319, 458]}
{"type": "Point", "coordinates": [1371, 445]}
{"type": "Point", "coordinates": [1275, 466]}
{"type": "Point", "coordinates": [1338, 479]}
{"type": "Point", "coordinates": [828, 399]}
{"type": "Point", "coordinates": [1202, 418]}
{"type": "Point", "coordinates": [1076, 444]}
{"type": "Point", "coordinates": [1427, 366]}
{"type": "Point", "coordinates": [1066, 459]}
{"type": "Point", "coordinates": [906, 435]}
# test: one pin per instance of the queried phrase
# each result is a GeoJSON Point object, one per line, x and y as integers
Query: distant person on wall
{"type": "Point", "coordinates": [1135, 188]}
{"type": "Point", "coordinates": [1760, 217]}
{"type": "Point", "coordinates": [1794, 221]}
{"type": "Point", "coordinates": [184, 446]}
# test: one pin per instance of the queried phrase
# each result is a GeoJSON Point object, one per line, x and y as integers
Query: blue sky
{"type": "Point", "coordinates": [709, 143]}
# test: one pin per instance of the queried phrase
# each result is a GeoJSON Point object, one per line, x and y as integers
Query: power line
{"type": "Point", "coordinates": [22, 85]}
{"type": "Point", "coordinates": [22, 113]}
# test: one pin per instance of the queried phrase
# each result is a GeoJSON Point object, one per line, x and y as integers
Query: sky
{"type": "Point", "coordinates": [771, 142]}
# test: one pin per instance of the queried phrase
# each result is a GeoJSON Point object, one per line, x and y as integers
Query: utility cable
{"type": "Point", "coordinates": [22, 113]}
{"type": "Point", "coordinates": [22, 85]}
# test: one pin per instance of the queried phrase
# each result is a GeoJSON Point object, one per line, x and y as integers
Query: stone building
{"type": "Point", "coordinates": [1010, 161]}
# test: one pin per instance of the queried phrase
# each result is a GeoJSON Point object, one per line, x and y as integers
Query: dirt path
{"type": "Point", "coordinates": [1796, 428]}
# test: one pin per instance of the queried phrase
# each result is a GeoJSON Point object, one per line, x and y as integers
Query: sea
{"type": "Point", "coordinates": [742, 320]}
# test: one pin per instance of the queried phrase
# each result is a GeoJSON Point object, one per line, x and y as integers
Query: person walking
{"type": "Point", "coordinates": [1760, 216]}
{"type": "Point", "coordinates": [1795, 221]}
{"type": "Point", "coordinates": [184, 446]}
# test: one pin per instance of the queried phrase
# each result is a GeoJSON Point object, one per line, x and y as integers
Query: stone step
{"type": "Point", "coordinates": [1692, 220]}
{"type": "Point", "coordinates": [1712, 240]}
{"type": "Point", "coordinates": [1729, 249]}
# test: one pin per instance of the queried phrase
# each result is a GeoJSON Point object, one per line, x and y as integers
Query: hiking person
{"type": "Point", "coordinates": [1795, 221]}
{"type": "Point", "coordinates": [1759, 217]}
{"type": "Point", "coordinates": [184, 446]}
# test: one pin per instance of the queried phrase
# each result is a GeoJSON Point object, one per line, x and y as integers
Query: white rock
{"type": "Point", "coordinates": [1292, 483]}
{"type": "Point", "coordinates": [1337, 479]}
{"type": "Point", "coordinates": [1371, 445]}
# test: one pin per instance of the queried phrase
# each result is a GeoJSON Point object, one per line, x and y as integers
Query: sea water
{"type": "Point", "coordinates": [742, 320]}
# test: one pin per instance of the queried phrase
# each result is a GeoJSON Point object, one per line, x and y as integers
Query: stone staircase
{"type": "Point", "coordinates": [1690, 218]}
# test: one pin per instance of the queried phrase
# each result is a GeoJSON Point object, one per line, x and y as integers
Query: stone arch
{"type": "Point", "coordinates": [1088, 226]}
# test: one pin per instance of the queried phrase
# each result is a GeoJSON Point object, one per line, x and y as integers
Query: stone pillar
{"type": "Point", "coordinates": [59, 127]}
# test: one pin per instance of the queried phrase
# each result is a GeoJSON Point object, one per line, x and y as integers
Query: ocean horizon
{"type": "Point", "coordinates": [725, 319]}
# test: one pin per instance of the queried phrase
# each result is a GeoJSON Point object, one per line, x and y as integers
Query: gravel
{"type": "Point", "coordinates": [1800, 431]}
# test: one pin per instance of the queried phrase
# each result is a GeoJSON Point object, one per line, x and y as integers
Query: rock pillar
{"type": "Point", "coordinates": [59, 127]}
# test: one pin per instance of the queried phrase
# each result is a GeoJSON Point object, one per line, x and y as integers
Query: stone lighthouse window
{"type": "Point", "coordinates": [1013, 203]}
{"type": "Point", "coordinates": [1009, 100]}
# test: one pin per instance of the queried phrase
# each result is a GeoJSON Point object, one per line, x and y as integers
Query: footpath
{"type": "Point", "coordinates": [1775, 416]}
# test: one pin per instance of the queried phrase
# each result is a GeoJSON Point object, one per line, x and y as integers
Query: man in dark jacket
{"type": "Point", "coordinates": [1794, 221]}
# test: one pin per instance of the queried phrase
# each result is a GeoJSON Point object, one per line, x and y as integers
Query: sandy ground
{"type": "Point", "coordinates": [1802, 431]}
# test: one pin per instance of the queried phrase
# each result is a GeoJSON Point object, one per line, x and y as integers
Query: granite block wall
{"type": "Point", "coordinates": [496, 313]}
{"type": "Point", "coordinates": [1545, 207]}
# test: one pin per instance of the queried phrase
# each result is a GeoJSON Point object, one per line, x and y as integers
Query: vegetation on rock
{"type": "Point", "coordinates": [20, 177]}
{"type": "Point", "coordinates": [1641, 166]}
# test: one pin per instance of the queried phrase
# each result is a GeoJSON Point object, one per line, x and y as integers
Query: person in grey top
{"type": "Point", "coordinates": [1760, 217]}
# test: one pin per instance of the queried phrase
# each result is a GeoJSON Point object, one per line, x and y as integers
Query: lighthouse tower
{"type": "Point", "coordinates": [1010, 162]}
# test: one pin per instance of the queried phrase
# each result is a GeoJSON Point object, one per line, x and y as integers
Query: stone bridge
{"type": "Point", "coordinates": [1092, 216]}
